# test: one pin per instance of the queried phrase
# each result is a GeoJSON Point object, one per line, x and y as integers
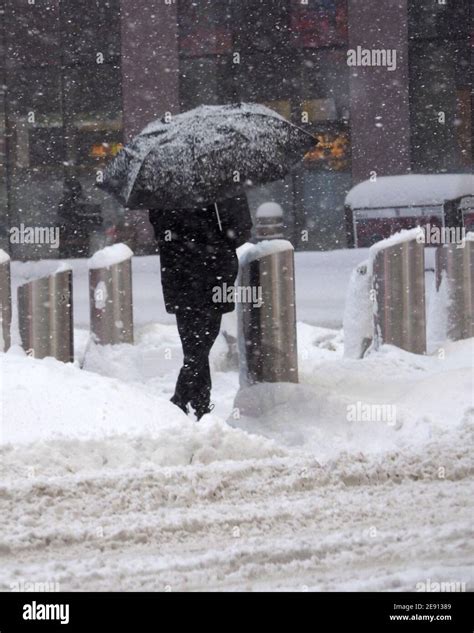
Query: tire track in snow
{"type": "Point", "coordinates": [279, 523]}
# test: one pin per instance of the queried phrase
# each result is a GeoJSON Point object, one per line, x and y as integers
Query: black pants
{"type": "Point", "coordinates": [198, 330]}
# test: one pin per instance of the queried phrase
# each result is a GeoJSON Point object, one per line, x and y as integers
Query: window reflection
{"type": "Point", "coordinates": [62, 68]}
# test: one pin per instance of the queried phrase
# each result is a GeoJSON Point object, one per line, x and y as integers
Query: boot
{"type": "Point", "coordinates": [202, 410]}
{"type": "Point", "coordinates": [184, 407]}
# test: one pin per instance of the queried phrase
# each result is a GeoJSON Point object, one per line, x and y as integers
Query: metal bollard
{"type": "Point", "coordinates": [46, 317]}
{"type": "Point", "coordinates": [5, 301]}
{"type": "Point", "coordinates": [267, 328]}
{"type": "Point", "coordinates": [110, 294]}
{"type": "Point", "coordinates": [398, 270]}
{"type": "Point", "coordinates": [455, 264]}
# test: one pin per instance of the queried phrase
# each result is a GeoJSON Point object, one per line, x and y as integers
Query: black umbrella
{"type": "Point", "coordinates": [205, 155]}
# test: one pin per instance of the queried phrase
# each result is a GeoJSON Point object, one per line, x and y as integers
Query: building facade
{"type": "Point", "coordinates": [80, 77]}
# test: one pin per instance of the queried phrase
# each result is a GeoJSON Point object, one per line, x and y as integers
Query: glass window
{"type": "Point", "coordinates": [34, 90]}
{"type": "Point", "coordinates": [440, 86]}
{"type": "Point", "coordinates": [205, 80]}
{"type": "Point", "coordinates": [261, 26]}
{"type": "Point", "coordinates": [428, 18]}
{"type": "Point", "coordinates": [325, 85]}
{"type": "Point", "coordinates": [319, 23]}
{"type": "Point", "coordinates": [93, 93]}
{"type": "Point", "coordinates": [263, 77]}
{"type": "Point", "coordinates": [32, 33]}
{"type": "Point", "coordinates": [204, 27]}
{"type": "Point", "coordinates": [89, 28]}
{"type": "Point", "coordinates": [64, 119]}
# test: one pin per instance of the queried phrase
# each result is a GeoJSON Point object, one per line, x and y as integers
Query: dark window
{"type": "Point", "coordinates": [431, 18]}
{"type": "Point", "coordinates": [46, 146]}
{"type": "Point", "coordinates": [319, 23]}
{"type": "Point", "coordinates": [204, 27]}
{"type": "Point", "coordinates": [206, 80]}
{"type": "Point", "coordinates": [32, 33]}
{"type": "Point", "coordinates": [63, 101]}
{"type": "Point", "coordinates": [90, 27]}
{"type": "Point", "coordinates": [440, 85]}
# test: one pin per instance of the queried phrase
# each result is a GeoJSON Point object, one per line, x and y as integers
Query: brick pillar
{"type": "Point", "coordinates": [379, 144]}
{"type": "Point", "coordinates": [150, 65]}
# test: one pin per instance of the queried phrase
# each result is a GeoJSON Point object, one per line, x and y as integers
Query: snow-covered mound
{"type": "Point", "coordinates": [58, 419]}
{"type": "Point", "coordinates": [389, 401]}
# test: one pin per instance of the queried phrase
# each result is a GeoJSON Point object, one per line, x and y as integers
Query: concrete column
{"type": "Point", "coordinates": [380, 115]}
{"type": "Point", "coordinates": [150, 65]}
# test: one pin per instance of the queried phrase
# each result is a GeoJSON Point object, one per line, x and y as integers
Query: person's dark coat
{"type": "Point", "coordinates": [197, 252]}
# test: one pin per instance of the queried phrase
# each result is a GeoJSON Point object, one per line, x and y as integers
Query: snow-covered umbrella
{"type": "Point", "coordinates": [205, 155]}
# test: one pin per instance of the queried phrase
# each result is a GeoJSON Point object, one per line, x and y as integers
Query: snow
{"type": "Point", "coordinates": [110, 255]}
{"type": "Point", "coordinates": [250, 252]}
{"type": "Point", "coordinates": [437, 320]}
{"type": "Point", "coordinates": [405, 235]}
{"type": "Point", "coordinates": [107, 486]}
{"type": "Point", "coordinates": [4, 257]}
{"type": "Point", "coordinates": [410, 190]}
{"type": "Point", "coordinates": [63, 267]}
{"type": "Point", "coordinates": [358, 312]}
{"type": "Point", "coordinates": [269, 210]}
{"type": "Point", "coordinates": [202, 112]}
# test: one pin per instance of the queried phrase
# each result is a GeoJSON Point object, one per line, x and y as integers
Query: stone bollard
{"type": "Point", "coordinates": [455, 266]}
{"type": "Point", "coordinates": [5, 301]}
{"type": "Point", "coordinates": [267, 326]}
{"type": "Point", "coordinates": [45, 316]}
{"type": "Point", "coordinates": [398, 282]}
{"type": "Point", "coordinates": [110, 295]}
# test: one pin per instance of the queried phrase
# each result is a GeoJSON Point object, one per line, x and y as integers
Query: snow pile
{"type": "Point", "coordinates": [269, 210]}
{"type": "Point", "coordinates": [337, 405]}
{"type": "Point", "coordinates": [409, 190]}
{"type": "Point", "coordinates": [358, 313]}
{"type": "Point", "coordinates": [250, 252]}
{"type": "Point", "coordinates": [437, 314]}
{"type": "Point", "coordinates": [400, 237]}
{"type": "Point", "coordinates": [110, 255]}
{"type": "Point", "coordinates": [61, 419]}
{"type": "Point", "coordinates": [106, 485]}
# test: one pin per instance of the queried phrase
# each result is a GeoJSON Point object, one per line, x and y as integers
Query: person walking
{"type": "Point", "coordinates": [197, 255]}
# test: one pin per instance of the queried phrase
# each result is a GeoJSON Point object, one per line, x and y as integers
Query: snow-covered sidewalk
{"type": "Point", "coordinates": [107, 486]}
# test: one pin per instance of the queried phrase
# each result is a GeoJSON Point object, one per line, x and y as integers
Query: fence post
{"type": "Point", "coordinates": [454, 265]}
{"type": "Point", "coordinates": [267, 324]}
{"type": "Point", "coordinates": [110, 295]}
{"type": "Point", "coordinates": [46, 317]}
{"type": "Point", "coordinates": [398, 269]}
{"type": "Point", "coordinates": [5, 301]}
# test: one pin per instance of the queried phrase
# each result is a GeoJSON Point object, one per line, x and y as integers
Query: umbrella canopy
{"type": "Point", "coordinates": [205, 155]}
